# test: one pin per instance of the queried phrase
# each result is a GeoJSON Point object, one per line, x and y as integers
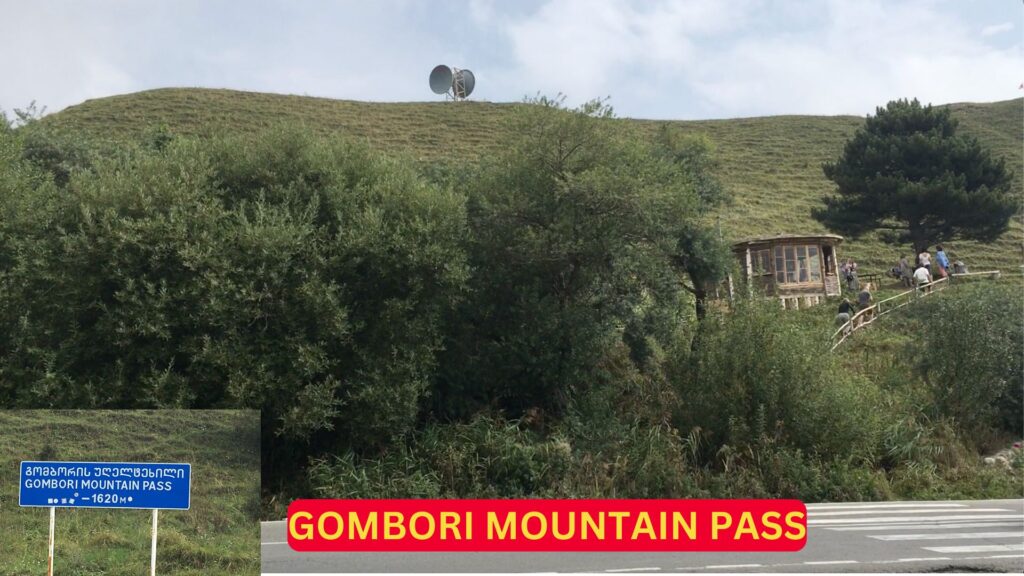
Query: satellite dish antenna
{"type": "Point", "coordinates": [441, 79]}
{"type": "Point", "coordinates": [465, 80]}
{"type": "Point", "coordinates": [452, 82]}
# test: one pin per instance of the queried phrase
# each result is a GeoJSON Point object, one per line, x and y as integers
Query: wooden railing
{"type": "Point", "coordinates": [868, 315]}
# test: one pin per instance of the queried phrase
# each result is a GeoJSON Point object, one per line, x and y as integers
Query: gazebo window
{"type": "Point", "coordinates": [814, 263]}
{"type": "Point", "coordinates": [797, 264]}
{"type": "Point", "coordinates": [762, 261]}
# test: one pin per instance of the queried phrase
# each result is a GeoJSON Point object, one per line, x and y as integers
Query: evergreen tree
{"type": "Point", "coordinates": [909, 173]}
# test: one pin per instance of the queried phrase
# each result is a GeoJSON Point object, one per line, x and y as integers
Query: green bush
{"type": "Point", "coordinates": [488, 457]}
{"type": "Point", "coordinates": [491, 457]}
{"type": "Point", "coordinates": [573, 228]}
{"type": "Point", "coordinates": [762, 373]}
{"type": "Point", "coordinates": [970, 354]}
{"type": "Point", "coordinates": [307, 278]}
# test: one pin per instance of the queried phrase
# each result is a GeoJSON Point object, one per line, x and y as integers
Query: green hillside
{"type": "Point", "coordinates": [772, 164]}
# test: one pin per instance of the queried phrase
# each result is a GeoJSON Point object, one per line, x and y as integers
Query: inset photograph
{"type": "Point", "coordinates": [119, 492]}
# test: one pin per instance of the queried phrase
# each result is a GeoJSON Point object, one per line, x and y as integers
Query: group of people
{"type": "Point", "coordinates": [920, 276]}
{"type": "Point", "coordinates": [924, 273]}
{"type": "Point", "coordinates": [846, 308]}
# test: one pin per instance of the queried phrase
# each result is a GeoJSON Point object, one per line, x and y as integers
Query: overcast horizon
{"type": "Point", "coordinates": [663, 59]}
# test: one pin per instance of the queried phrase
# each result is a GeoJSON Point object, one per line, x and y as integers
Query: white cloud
{"type": "Point", "coordinates": [865, 54]}
{"type": "Point", "coordinates": [997, 29]}
{"type": "Point", "coordinates": [752, 58]}
{"type": "Point", "coordinates": [593, 48]}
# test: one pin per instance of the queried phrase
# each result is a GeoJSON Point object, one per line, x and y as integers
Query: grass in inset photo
{"type": "Point", "coordinates": [218, 534]}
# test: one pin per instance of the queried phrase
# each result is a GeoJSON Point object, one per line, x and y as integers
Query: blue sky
{"type": "Point", "coordinates": [681, 59]}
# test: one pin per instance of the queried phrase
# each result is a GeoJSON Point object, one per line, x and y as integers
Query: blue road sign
{"type": "Point", "coordinates": [105, 485]}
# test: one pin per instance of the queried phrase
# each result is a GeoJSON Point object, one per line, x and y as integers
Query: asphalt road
{"type": "Point", "coordinates": [855, 537]}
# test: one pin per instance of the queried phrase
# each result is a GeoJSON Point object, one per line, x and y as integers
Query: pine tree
{"type": "Point", "coordinates": [909, 173]}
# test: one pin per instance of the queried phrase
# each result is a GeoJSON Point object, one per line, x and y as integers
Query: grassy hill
{"type": "Point", "coordinates": [218, 535]}
{"type": "Point", "coordinates": [772, 164]}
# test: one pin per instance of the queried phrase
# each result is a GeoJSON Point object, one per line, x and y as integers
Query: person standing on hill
{"type": "Point", "coordinates": [942, 261]}
{"type": "Point", "coordinates": [924, 259]}
{"type": "Point", "coordinates": [851, 275]}
{"type": "Point", "coordinates": [923, 277]}
{"type": "Point", "coordinates": [844, 312]}
{"type": "Point", "coordinates": [863, 302]}
{"type": "Point", "coordinates": [864, 298]}
{"type": "Point", "coordinates": [906, 273]}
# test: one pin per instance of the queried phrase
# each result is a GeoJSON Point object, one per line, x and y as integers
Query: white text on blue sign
{"type": "Point", "coordinates": [105, 485]}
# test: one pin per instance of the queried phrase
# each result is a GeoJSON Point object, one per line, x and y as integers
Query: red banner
{"type": "Point", "coordinates": [547, 525]}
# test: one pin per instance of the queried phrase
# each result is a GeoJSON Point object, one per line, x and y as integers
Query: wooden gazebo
{"type": "Point", "coordinates": [799, 270]}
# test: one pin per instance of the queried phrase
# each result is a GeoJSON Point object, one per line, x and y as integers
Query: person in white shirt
{"type": "Point", "coordinates": [925, 259]}
{"type": "Point", "coordinates": [922, 276]}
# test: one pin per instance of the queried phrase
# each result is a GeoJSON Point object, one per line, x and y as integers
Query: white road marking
{"type": "Point", "coordinates": [910, 560]}
{"type": "Point", "coordinates": [634, 569]}
{"type": "Point", "coordinates": [883, 505]}
{"type": "Point", "coordinates": [271, 543]}
{"type": "Point", "coordinates": [826, 562]}
{"type": "Point", "coordinates": [950, 536]}
{"type": "Point", "coordinates": [986, 548]}
{"type": "Point", "coordinates": [816, 514]}
{"type": "Point", "coordinates": [936, 526]}
{"type": "Point", "coordinates": [812, 521]}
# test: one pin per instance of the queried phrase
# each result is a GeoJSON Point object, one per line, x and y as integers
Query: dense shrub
{"type": "Point", "coordinates": [492, 457]}
{"type": "Point", "coordinates": [306, 278]}
{"type": "Point", "coordinates": [970, 353]}
{"type": "Point", "coordinates": [762, 373]}
{"type": "Point", "coordinates": [573, 227]}
{"type": "Point", "coordinates": [623, 438]}
{"type": "Point", "coordinates": [487, 457]}
{"type": "Point", "coordinates": [58, 153]}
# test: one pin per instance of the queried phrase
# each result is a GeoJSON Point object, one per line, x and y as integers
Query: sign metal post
{"type": "Point", "coordinates": [152, 557]}
{"type": "Point", "coordinates": [49, 560]}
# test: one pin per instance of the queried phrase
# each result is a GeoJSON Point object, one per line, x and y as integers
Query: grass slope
{"type": "Point", "coordinates": [772, 164]}
{"type": "Point", "coordinates": [218, 535]}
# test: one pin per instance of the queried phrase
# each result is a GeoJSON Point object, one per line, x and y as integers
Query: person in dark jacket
{"type": "Point", "coordinates": [864, 302]}
{"type": "Point", "coordinates": [845, 310]}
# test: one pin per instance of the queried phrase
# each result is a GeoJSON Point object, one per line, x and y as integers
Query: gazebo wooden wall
{"type": "Point", "coordinates": [799, 270]}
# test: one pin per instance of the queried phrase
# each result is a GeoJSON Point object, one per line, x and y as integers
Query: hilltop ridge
{"type": "Point", "coordinates": [771, 164]}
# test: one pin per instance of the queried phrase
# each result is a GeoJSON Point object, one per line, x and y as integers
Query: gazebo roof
{"type": "Point", "coordinates": [835, 238]}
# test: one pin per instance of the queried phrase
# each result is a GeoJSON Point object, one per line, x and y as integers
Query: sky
{"type": "Point", "coordinates": [664, 59]}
